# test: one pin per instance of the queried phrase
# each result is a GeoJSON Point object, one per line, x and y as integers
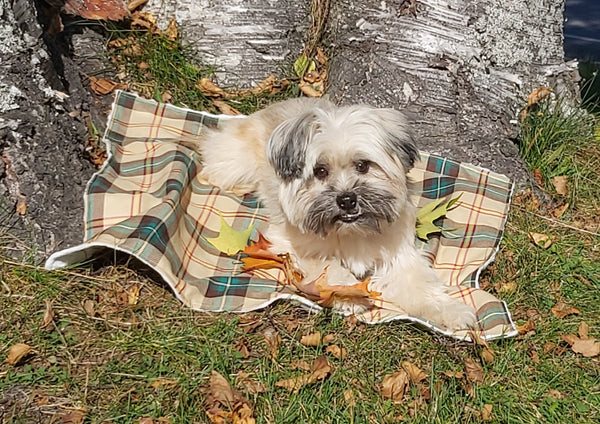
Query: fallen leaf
{"type": "Point", "coordinates": [559, 211]}
{"type": "Point", "coordinates": [273, 339]}
{"type": "Point", "coordinates": [555, 394]}
{"type": "Point", "coordinates": [321, 58]}
{"type": "Point", "coordinates": [560, 184]}
{"type": "Point", "coordinates": [134, 4]}
{"type": "Point", "coordinates": [395, 386]}
{"type": "Point", "coordinates": [250, 385]}
{"type": "Point", "coordinates": [541, 240]}
{"type": "Point", "coordinates": [102, 86]}
{"type": "Point", "coordinates": [309, 89]}
{"type": "Point", "coordinates": [539, 177]}
{"type": "Point", "coordinates": [48, 316]}
{"type": "Point", "coordinates": [166, 97]}
{"type": "Point", "coordinates": [313, 339]}
{"type": "Point", "coordinates": [488, 355]}
{"type": "Point", "coordinates": [17, 352]}
{"type": "Point", "coordinates": [75, 416]}
{"type": "Point", "coordinates": [474, 371]}
{"type": "Point", "coordinates": [225, 108]}
{"type": "Point", "coordinates": [21, 207]}
{"type": "Point", "coordinates": [209, 88]}
{"type": "Point", "coordinates": [166, 383]}
{"type": "Point", "coordinates": [486, 412]}
{"type": "Point", "coordinates": [230, 241]}
{"type": "Point", "coordinates": [112, 10]}
{"type": "Point", "coordinates": [432, 212]}
{"type": "Point", "coordinates": [527, 327]}
{"type": "Point", "coordinates": [351, 323]}
{"type": "Point", "coordinates": [301, 65]}
{"type": "Point", "coordinates": [328, 338]}
{"type": "Point", "coordinates": [561, 310]}
{"type": "Point", "coordinates": [243, 347]}
{"type": "Point", "coordinates": [349, 398]}
{"type": "Point", "coordinates": [300, 365]}
{"type": "Point", "coordinates": [336, 351]}
{"type": "Point", "coordinates": [587, 347]}
{"type": "Point", "coordinates": [320, 369]}
{"type": "Point", "coordinates": [133, 294]}
{"type": "Point", "coordinates": [88, 307]}
{"type": "Point", "coordinates": [537, 95]}
{"type": "Point", "coordinates": [225, 403]}
{"type": "Point", "coordinates": [535, 357]}
{"type": "Point", "coordinates": [414, 372]}
{"type": "Point", "coordinates": [172, 32]}
{"type": "Point", "coordinates": [455, 374]}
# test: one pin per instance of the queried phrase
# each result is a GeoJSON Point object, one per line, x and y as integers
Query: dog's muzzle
{"type": "Point", "coordinates": [347, 202]}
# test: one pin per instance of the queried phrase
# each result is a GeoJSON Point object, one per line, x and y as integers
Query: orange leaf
{"type": "Point", "coordinates": [320, 369]}
{"type": "Point", "coordinates": [17, 352]}
{"type": "Point", "coordinates": [561, 310]}
{"type": "Point", "coordinates": [414, 372]}
{"type": "Point", "coordinates": [311, 339]}
{"type": "Point", "coordinates": [113, 10]}
{"type": "Point", "coordinates": [336, 351]}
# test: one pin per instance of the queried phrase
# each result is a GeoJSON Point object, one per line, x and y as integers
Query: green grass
{"type": "Point", "coordinates": [106, 359]}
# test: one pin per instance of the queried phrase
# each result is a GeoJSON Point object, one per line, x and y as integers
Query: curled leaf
{"type": "Point", "coordinates": [17, 352]}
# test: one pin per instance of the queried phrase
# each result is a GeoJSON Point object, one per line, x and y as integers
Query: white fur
{"type": "Point", "coordinates": [238, 155]}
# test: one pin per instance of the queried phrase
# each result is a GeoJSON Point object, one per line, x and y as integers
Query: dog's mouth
{"type": "Point", "coordinates": [348, 218]}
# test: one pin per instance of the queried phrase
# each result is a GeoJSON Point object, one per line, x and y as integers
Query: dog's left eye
{"type": "Point", "coordinates": [362, 166]}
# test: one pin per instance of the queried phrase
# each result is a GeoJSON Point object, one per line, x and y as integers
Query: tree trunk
{"type": "Point", "coordinates": [462, 69]}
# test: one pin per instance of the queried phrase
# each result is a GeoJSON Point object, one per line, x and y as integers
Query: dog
{"type": "Point", "coordinates": [333, 182]}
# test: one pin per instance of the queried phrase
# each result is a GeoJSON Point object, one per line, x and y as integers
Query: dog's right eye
{"type": "Point", "coordinates": [321, 172]}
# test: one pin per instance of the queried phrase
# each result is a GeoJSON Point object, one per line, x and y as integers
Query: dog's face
{"type": "Point", "coordinates": [342, 170]}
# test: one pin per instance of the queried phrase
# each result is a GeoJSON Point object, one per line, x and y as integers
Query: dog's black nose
{"type": "Point", "coordinates": [347, 201]}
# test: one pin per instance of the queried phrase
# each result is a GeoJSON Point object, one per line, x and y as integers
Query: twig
{"type": "Point", "coordinates": [559, 223]}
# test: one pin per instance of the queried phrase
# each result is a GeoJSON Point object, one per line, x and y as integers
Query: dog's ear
{"type": "Point", "coordinates": [397, 136]}
{"type": "Point", "coordinates": [286, 148]}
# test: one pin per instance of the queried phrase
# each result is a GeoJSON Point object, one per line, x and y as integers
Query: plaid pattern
{"type": "Point", "coordinates": [147, 200]}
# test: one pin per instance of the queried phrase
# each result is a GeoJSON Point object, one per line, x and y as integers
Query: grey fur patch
{"type": "Point", "coordinates": [286, 148]}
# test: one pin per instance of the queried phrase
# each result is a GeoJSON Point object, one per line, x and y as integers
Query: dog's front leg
{"type": "Point", "coordinates": [410, 284]}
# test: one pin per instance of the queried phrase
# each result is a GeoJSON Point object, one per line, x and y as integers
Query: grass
{"type": "Point", "coordinates": [116, 357]}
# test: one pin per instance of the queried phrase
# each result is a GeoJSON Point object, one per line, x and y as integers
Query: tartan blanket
{"type": "Point", "coordinates": [147, 200]}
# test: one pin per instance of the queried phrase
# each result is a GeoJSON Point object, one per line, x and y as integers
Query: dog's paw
{"type": "Point", "coordinates": [455, 315]}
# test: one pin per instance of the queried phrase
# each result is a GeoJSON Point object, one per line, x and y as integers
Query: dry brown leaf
{"type": "Point", "coordinates": [538, 94]}
{"type": "Point", "coordinates": [48, 316]}
{"type": "Point", "coordinates": [486, 412]}
{"type": "Point", "coordinates": [587, 347]}
{"type": "Point", "coordinates": [17, 352]}
{"type": "Point", "coordinates": [250, 385]}
{"type": "Point", "coordinates": [560, 184]}
{"type": "Point", "coordinates": [539, 177]}
{"type": "Point", "coordinates": [414, 372]}
{"type": "Point", "coordinates": [559, 211]}
{"type": "Point", "coordinates": [309, 90]}
{"type": "Point", "coordinates": [300, 365]}
{"type": "Point", "coordinates": [561, 310]}
{"type": "Point", "coordinates": [167, 383]}
{"type": "Point", "coordinates": [336, 351]}
{"type": "Point", "coordinates": [395, 386]}
{"type": "Point", "coordinates": [455, 374]}
{"type": "Point", "coordinates": [555, 394]}
{"type": "Point", "coordinates": [75, 416]}
{"type": "Point", "coordinates": [328, 338]}
{"type": "Point", "coordinates": [349, 398]}
{"type": "Point", "coordinates": [273, 339]}
{"type": "Point", "coordinates": [351, 322]}
{"type": "Point", "coordinates": [225, 108]}
{"type": "Point", "coordinates": [313, 339]}
{"type": "Point", "coordinates": [166, 97]}
{"type": "Point", "coordinates": [488, 355]}
{"type": "Point", "coordinates": [88, 307]}
{"type": "Point", "coordinates": [583, 330]}
{"type": "Point", "coordinates": [133, 294]}
{"type": "Point", "coordinates": [264, 85]}
{"type": "Point", "coordinates": [102, 86]}
{"type": "Point", "coordinates": [225, 403]}
{"type": "Point", "coordinates": [209, 88]}
{"type": "Point", "coordinates": [320, 369]}
{"type": "Point", "coordinates": [21, 207]}
{"type": "Point", "coordinates": [134, 4]}
{"type": "Point", "coordinates": [473, 370]}
{"type": "Point", "coordinates": [505, 288]}
{"type": "Point", "coordinates": [321, 58]}
{"type": "Point", "coordinates": [535, 357]}
{"type": "Point", "coordinates": [146, 420]}
{"type": "Point", "coordinates": [172, 32]}
{"type": "Point", "coordinates": [112, 10]}
{"type": "Point", "coordinates": [541, 240]}
{"type": "Point", "coordinates": [527, 327]}
{"type": "Point", "coordinates": [243, 347]}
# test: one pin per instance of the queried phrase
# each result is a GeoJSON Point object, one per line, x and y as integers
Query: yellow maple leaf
{"type": "Point", "coordinates": [230, 241]}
